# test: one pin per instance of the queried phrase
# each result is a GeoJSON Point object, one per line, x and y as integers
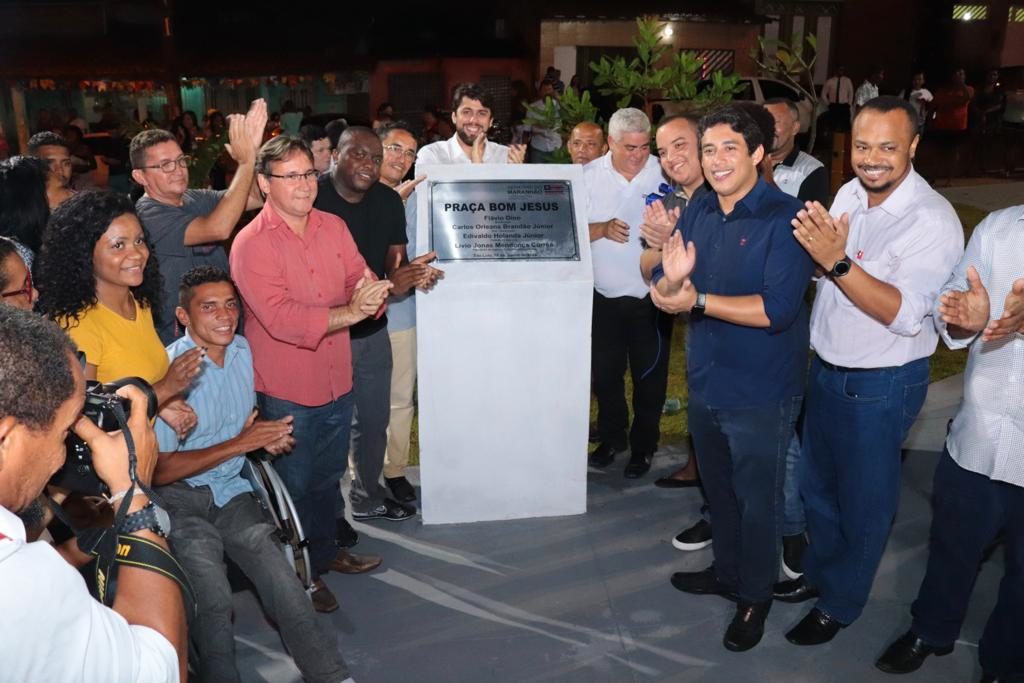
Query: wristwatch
{"type": "Point", "coordinates": [841, 267]}
{"type": "Point", "coordinates": [151, 517]}
{"type": "Point", "coordinates": [698, 306]}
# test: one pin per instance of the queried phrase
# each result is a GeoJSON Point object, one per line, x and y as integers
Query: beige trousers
{"type": "Point", "coordinates": [403, 383]}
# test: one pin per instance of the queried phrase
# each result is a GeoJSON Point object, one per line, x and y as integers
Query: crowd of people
{"type": "Point", "coordinates": [294, 338]}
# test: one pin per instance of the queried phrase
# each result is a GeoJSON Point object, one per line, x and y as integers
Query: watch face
{"type": "Point", "coordinates": [841, 267]}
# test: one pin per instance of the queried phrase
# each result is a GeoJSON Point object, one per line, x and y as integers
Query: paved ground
{"type": "Point", "coordinates": [587, 598]}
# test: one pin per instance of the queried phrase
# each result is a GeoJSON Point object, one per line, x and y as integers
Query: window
{"type": "Point", "coordinates": [970, 12]}
{"type": "Point", "coordinates": [1016, 14]}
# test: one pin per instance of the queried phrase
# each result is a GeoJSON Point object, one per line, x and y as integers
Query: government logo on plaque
{"type": "Point", "coordinates": [503, 220]}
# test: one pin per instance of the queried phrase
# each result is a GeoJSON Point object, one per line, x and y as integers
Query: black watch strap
{"type": "Point", "coordinates": [841, 267]}
{"type": "Point", "coordinates": [698, 306]}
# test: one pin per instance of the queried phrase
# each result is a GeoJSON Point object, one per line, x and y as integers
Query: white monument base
{"type": "Point", "coordinates": [504, 374]}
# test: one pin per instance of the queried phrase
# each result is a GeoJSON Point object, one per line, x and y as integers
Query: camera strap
{"type": "Point", "coordinates": [112, 549]}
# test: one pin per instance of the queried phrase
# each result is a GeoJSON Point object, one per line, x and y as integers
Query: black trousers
{"type": "Point", "coordinates": [633, 331]}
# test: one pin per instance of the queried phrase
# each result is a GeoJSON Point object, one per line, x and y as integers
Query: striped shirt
{"type": "Point", "coordinates": [223, 398]}
{"type": "Point", "coordinates": [987, 436]}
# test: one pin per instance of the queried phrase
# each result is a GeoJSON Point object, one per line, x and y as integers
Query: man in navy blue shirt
{"type": "Point", "coordinates": [746, 359]}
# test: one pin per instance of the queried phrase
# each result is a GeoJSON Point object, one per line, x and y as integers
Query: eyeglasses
{"type": "Point", "coordinates": [296, 178]}
{"type": "Point", "coordinates": [25, 291]}
{"type": "Point", "coordinates": [398, 149]}
{"type": "Point", "coordinates": [168, 165]}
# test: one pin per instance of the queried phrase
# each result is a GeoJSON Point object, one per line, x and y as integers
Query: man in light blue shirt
{"type": "Point", "coordinates": [212, 507]}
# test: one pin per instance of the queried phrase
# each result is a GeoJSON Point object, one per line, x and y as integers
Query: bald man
{"type": "Point", "coordinates": [586, 143]}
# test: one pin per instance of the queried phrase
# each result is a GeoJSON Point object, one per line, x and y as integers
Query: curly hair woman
{"type": "Point", "coordinates": [96, 278]}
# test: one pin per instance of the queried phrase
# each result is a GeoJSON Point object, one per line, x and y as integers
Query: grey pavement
{"type": "Point", "coordinates": [587, 598]}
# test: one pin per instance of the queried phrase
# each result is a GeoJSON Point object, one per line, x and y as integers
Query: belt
{"type": "Point", "coordinates": [840, 368]}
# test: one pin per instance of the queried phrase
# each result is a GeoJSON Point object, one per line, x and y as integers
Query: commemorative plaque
{"type": "Point", "coordinates": [503, 220]}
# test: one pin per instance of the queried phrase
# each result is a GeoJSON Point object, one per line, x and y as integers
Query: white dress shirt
{"type": "Point", "coordinates": [988, 433]}
{"type": "Point", "coordinates": [51, 629]}
{"type": "Point", "coordinates": [837, 90]}
{"type": "Point", "coordinates": [610, 195]}
{"type": "Point", "coordinates": [450, 152]}
{"type": "Point", "coordinates": [911, 241]}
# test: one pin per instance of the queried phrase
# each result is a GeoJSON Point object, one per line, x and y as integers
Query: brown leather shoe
{"type": "Point", "coordinates": [322, 597]}
{"type": "Point", "coordinates": [351, 563]}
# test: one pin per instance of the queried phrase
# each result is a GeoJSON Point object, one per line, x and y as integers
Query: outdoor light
{"type": "Point", "coordinates": [668, 31]}
{"type": "Point", "coordinates": [967, 16]}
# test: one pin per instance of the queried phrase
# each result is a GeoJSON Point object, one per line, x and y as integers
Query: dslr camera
{"type": "Point", "coordinates": [77, 474]}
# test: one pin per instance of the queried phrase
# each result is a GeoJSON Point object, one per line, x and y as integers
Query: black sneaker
{"type": "Point", "coordinates": [793, 548]}
{"type": "Point", "coordinates": [391, 510]}
{"type": "Point", "coordinates": [696, 537]}
{"type": "Point", "coordinates": [344, 535]}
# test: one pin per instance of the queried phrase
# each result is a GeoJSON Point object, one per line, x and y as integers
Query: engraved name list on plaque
{"type": "Point", "coordinates": [503, 220]}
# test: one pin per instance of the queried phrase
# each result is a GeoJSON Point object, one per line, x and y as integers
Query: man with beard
{"type": "Point", "coordinates": [52, 149]}
{"type": "Point", "coordinates": [374, 214]}
{"type": "Point", "coordinates": [886, 249]}
{"type": "Point", "coordinates": [52, 629]}
{"type": "Point", "coordinates": [742, 278]}
{"type": "Point", "coordinates": [399, 145]}
{"type": "Point", "coordinates": [472, 114]}
{"type": "Point", "coordinates": [796, 173]}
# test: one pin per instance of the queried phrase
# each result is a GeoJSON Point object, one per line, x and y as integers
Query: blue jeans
{"type": "Point", "coordinates": [969, 511]}
{"type": "Point", "coordinates": [313, 470]}
{"type": "Point", "coordinates": [202, 534]}
{"type": "Point", "coordinates": [793, 521]}
{"type": "Point", "coordinates": [854, 427]}
{"type": "Point", "coordinates": [741, 455]}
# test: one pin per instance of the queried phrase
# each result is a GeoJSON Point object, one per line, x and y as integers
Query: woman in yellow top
{"type": "Point", "coordinates": [97, 279]}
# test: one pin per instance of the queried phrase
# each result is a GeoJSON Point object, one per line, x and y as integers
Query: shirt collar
{"type": "Point", "coordinates": [272, 220]}
{"type": "Point", "coordinates": [750, 203]}
{"type": "Point", "coordinates": [902, 200]}
{"type": "Point", "coordinates": [606, 164]}
{"type": "Point", "coordinates": [11, 526]}
{"type": "Point", "coordinates": [791, 157]}
{"type": "Point", "coordinates": [230, 352]}
{"type": "Point", "coordinates": [456, 149]}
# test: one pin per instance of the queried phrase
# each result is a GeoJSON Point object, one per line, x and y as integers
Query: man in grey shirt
{"type": "Point", "coordinates": [187, 227]}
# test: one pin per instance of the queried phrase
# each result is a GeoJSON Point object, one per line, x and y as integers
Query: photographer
{"type": "Point", "coordinates": [51, 628]}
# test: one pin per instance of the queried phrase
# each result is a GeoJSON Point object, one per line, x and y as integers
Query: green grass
{"type": "Point", "coordinates": [944, 363]}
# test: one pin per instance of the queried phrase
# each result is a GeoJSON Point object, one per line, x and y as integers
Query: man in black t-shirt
{"type": "Point", "coordinates": [376, 218]}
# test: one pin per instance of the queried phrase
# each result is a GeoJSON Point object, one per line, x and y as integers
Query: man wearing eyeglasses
{"type": "Point", "coordinates": [188, 226]}
{"type": "Point", "coordinates": [626, 325]}
{"type": "Point", "coordinates": [305, 287]}
{"type": "Point", "coordinates": [374, 214]}
{"type": "Point", "coordinates": [54, 150]}
{"type": "Point", "coordinates": [399, 154]}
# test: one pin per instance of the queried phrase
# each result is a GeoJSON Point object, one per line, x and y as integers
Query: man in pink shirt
{"type": "Point", "coordinates": [304, 284]}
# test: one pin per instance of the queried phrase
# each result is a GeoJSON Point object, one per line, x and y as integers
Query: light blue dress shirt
{"type": "Point", "coordinates": [223, 398]}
